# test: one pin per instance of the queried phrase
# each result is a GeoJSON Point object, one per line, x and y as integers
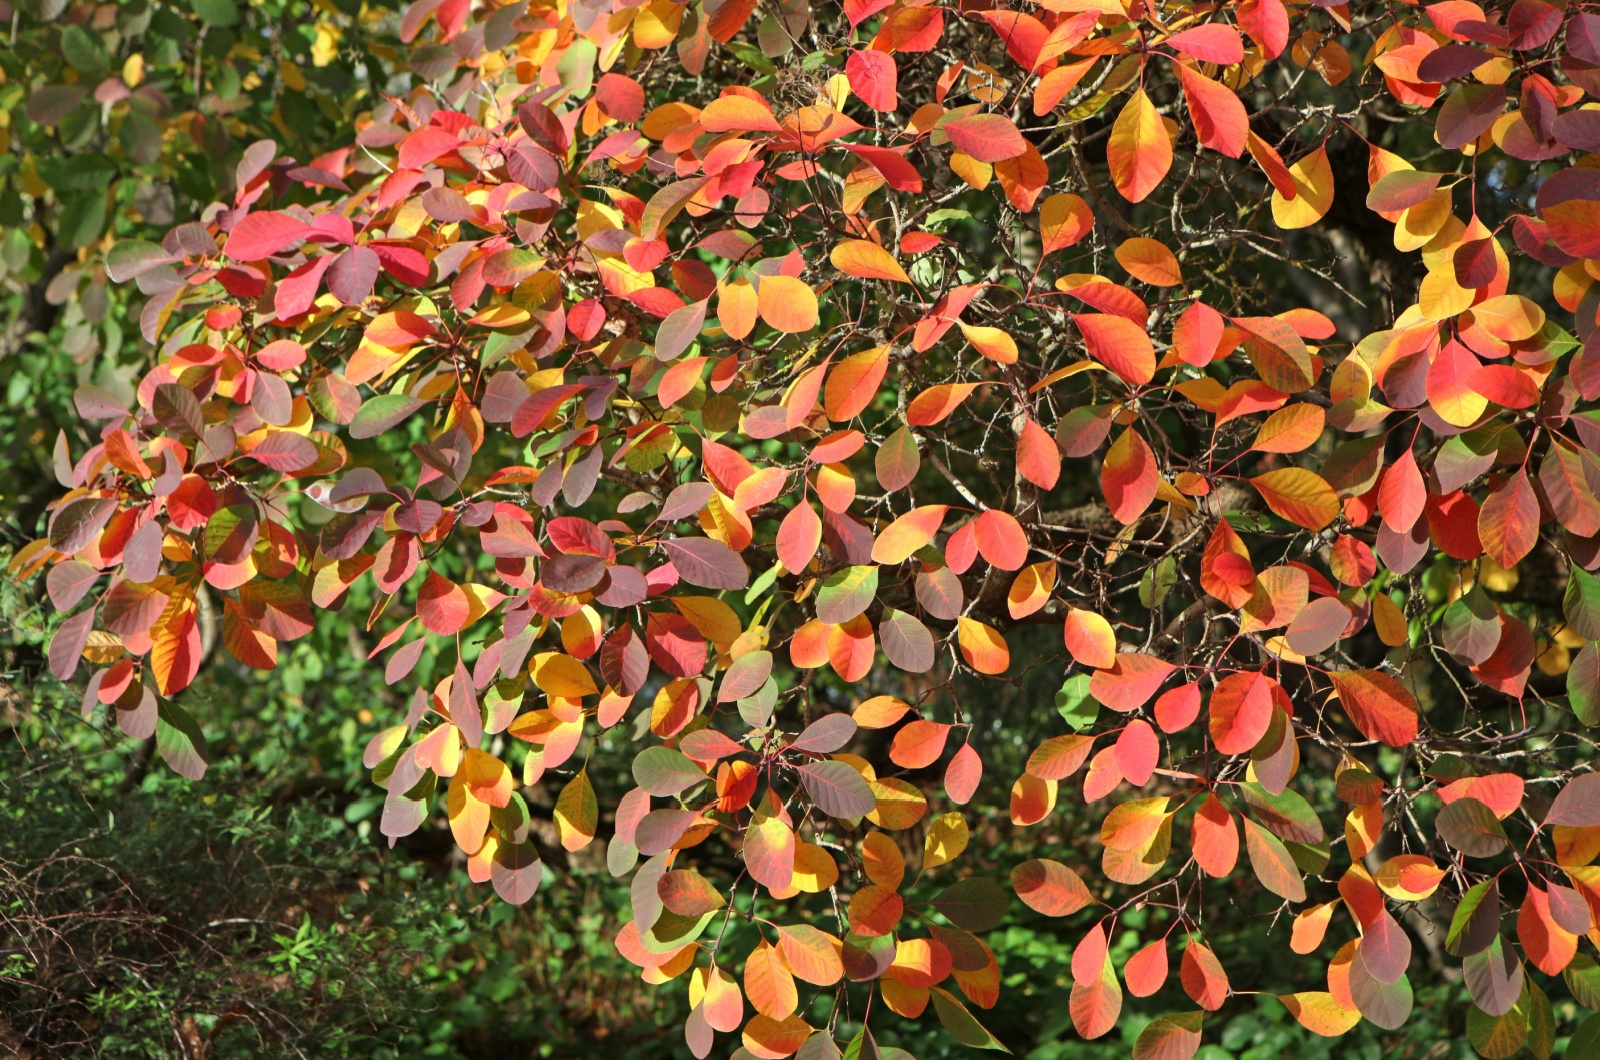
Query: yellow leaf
{"type": "Point", "coordinates": [577, 812]}
{"type": "Point", "coordinates": [1319, 1013]}
{"type": "Point", "coordinates": [715, 620]}
{"type": "Point", "coordinates": [561, 675]}
{"type": "Point", "coordinates": [1300, 496]}
{"type": "Point", "coordinates": [947, 838]}
{"type": "Point", "coordinates": [1313, 183]}
{"type": "Point", "coordinates": [976, 174]}
{"type": "Point", "coordinates": [993, 343]}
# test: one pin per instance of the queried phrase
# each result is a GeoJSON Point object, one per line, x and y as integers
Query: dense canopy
{"type": "Point", "coordinates": [745, 385]}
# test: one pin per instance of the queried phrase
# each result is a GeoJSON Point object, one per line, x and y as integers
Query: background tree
{"type": "Point", "coordinates": [641, 373]}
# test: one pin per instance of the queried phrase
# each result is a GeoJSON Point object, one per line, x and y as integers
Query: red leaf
{"type": "Point", "coordinates": [1220, 121]}
{"type": "Point", "coordinates": [1119, 344]}
{"type": "Point", "coordinates": [261, 235]}
{"type": "Point", "coordinates": [873, 76]}
{"type": "Point", "coordinates": [963, 774]}
{"type": "Point", "coordinates": [1137, 752]}
{"type": "Point", "coordinates": [1130, 683]}
{"type": "Point", "coordinates": [1203, 978]}
{"type": "Point", "coordinates": [1146, 971]}
{"type": "Point", "coordinates": [901, 175]}
{"type": "Point", "coordinates": [1402, 494]}
{"type": "Point", "coordinates": [986, 137]}
{"type": "Point", "coordinates": [1210, 43]}
{"type": "Point", "coordinates": [1001, 539]}
{"type": "Point", "coordinates": [1508, 523]}
{"type": "Point", "coordinates": [1038, 458]}
{"type": "Point", "coordinates": [1215, 838]}
{"type": "Point", "coordinates": [1241, 711]}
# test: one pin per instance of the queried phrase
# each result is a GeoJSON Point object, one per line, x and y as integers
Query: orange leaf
{"type": "Point", "coordinates": [1031, 588]}
{"type": "Point", "coordinates": [1150, 260]}
{"type": "Point", "coordinates": [1119, 344]}
{"type": "Point", "coordinates": [1508, 523]}
{"type": "Point", "coordinates": [854, 382]}
{"type": "Point", "coordinates": [1139, 151]}
{"type": "Point", "coordinates": [1380, 705]}
{"type": "Point", "coordinates": [919, 744]}
{"type": "Point", "coordinates": [937, 402]}
{"type": "Point", "coordinates": [1310, 925]}
{"type": "Point", "coordinates": [1049, 887]}
{"type": "Point", "coordinates": [1203, 978]}
{"type": "Point", "coordinates": [787, 304]}
{"type": "Point", "coordinates": [1090, 639]}
{"type": "Point", "coordinates": [769, 984]}
{"type": "Point", "coordinates": [1038, 456]}
{"type": "Point", "coordinates": [811, 954]}
{"type": "Point", "coordinates": [982, 646]}
{"type": "Point", "coordinates": [866, 260]}
{"type": "Point", "coordinates": [1063, 221]}
{"type": "Point", "coordinates": [738, 114]}
{"type": "Point", "coordinates": [1291, 429]}
{"type": "Point", "coordinates": [1096, 1000]}
{"type": "Point", "coordinates": [1319, 1013]}
{"type": "Point", "coordinates": [1146, 971]}
{"type": "Point", "coordinates": [1128, 476]}
{"type": "Point", "coordinates": [1032, 799]}
{"type": "Point", "coordinates": [903, 537]}
{"type": "Point", "coordinates": [1130, 682]}
{"type": "Point", "coordinates": [1241, 710]}
{"type": "Point", "coordinates": [1215, 838]}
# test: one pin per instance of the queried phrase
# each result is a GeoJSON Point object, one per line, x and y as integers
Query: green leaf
{"type": "Point", "coordinates": [973, 904]}
{"type": "Point", "coordinates": [381, 413]}
{"type": "Point", "coordinates": [180, 741]}
{"type": "Point", "coordinates": [1288, 816]}
{"type": "Point", "coordinates": [216, 12]}
{"type": "Point", "coordinates": [1541, 1023]}
{"type": "Point", "coordinates": [1583, 979]}
{"type": "Point", "coordinates": [1157, 582]}
{"type": "Point", "coordinates": [85, 51]}
{"type": "Point", "coordinates": [1583, 684]}
{"type": "Point", "coordinates": [1075, 703]}
{"type": "Point", "coordinates": [1498, 1037]}
{"type": "Point", "coordinates": [1586, 1039]}
{"type": "Point", "coordinates": [1582, 602]}
{"type": "Point", "coordinates": [664, 771]}
{"type": "Point", "coordinates": [83, 218]}
{"type": "Point", "coordinates": [846, 593]}
{"type": "Point", "coordinates": [134, 257]}
{"type": "Point", "coordinates": [1470, 628]}
{"type": "Point", "coordinates": [1467, 927]}
{"type": "Point", "coordinates": [961, 1024]}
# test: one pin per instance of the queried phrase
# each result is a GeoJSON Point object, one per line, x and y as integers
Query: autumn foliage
{"type": "Point", "coordinates": [710, 394]}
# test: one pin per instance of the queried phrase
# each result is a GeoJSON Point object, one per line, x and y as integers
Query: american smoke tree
{"type": "Point", "coordinates": [663, 364]}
